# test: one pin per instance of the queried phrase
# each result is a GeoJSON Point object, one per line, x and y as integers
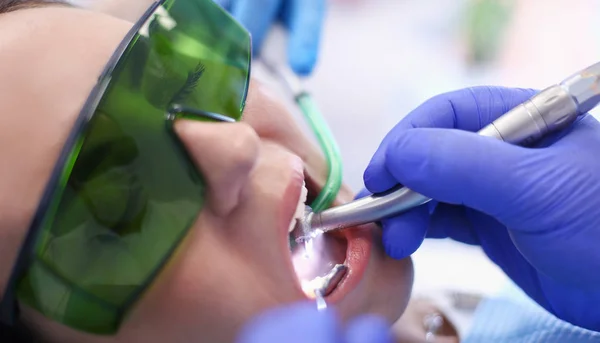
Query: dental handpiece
{"type": "Point", "coordinates": [551, 110]}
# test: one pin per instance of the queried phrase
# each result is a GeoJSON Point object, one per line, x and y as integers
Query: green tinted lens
{"type": "Point", "coordinates": [128, 192]}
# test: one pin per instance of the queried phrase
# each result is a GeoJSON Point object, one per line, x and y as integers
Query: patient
{"type": "Point", "coordinates": [234, 262]}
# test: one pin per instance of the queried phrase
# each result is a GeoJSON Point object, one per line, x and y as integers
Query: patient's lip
{"type": "Point", "coordinates": [358, 253]}
{"type": "Point", "coordinates": [287, 211]}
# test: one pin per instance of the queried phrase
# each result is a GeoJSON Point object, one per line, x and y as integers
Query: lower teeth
{"type": "Point", "coordinates": [326, 284]}
{"type": "Point", "coordinates": [315, 265]}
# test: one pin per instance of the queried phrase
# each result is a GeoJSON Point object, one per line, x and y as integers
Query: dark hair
{"type": "Point", "coordinates": [13, 5]}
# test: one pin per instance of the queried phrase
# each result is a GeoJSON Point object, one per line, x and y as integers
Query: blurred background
{"type": "Point", "coordinates": [382, 58]}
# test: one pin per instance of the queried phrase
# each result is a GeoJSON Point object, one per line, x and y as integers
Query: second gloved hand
{"type": "Point", "coordinates": [302, 18]}
{"type": "Point", "coordinates": [534, 211]}
{"type": "Point", "coordinates": [304, 323]}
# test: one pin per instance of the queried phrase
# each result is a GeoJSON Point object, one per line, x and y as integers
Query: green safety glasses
{"type": "Point", "coordinates": [124, 192]}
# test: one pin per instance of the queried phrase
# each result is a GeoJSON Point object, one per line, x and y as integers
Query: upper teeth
{"type": "Point", "coordinates": [301, 207]}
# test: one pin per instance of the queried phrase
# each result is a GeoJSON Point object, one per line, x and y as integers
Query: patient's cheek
{"type": "Point", "coordinates": [271, 118]}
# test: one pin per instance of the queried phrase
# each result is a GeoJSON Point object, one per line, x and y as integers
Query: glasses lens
{"type": "Point", "coordinates": [128, 192]}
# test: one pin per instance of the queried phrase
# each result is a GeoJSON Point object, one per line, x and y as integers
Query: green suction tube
{"type": "Point", "coordinates": [330, 150]}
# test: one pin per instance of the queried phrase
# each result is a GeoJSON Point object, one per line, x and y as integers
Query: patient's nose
{"type": "Point", "coordinates": [224, 153]}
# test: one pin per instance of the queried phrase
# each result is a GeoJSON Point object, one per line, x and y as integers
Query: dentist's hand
{"type": "Point", "coordinates": [303, 323]}
{"type": "Point", "coordinates": [534, 211]}
{"type": "Point", "coordinates": [302, 18]}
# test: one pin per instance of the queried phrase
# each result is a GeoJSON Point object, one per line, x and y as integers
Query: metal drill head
{"type": "Point", "coordinates": [331, 280]}
{"type": "Point", "coordinates": [584, 87]}
{"type": "Point", "coordinates": [323, 285]}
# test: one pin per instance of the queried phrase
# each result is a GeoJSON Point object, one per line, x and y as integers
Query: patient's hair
{"type": "Point", "coordinates": [13, 5]}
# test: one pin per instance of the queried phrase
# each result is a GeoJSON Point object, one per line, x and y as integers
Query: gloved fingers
{"type": "Point", "coordinates": [451, 221]}
{"type": "Point", "coordinates": [461, 168]}
{"type": "Point", "coordinates": [499, 246]}
{"type": "Point", "coordinates": [377, 177]}
{"type": "Point", "coordinates": [295, 323]}
{"type": "Point", "coordinates": [467, 109]}
{"type": "Point", "coordinates": [404, 234]}
{"type": "Point", "coordinates": [256, 16]}
{"type": "Point", "coordinates": [583, 132]}
{"type": "Point", "coordinates": [368, 329]}
{"type": "Point", "coordinates": [457, 223]}
{"type": "Point", "coordinates": [304, 20]}
{"type": "Point", "coordinates": [362, 193]}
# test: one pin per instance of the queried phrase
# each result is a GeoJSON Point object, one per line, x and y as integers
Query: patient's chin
{"type": "Point", "coordinates": [385, 289]}
{"type": "Point", "coordinates": [394, 278]}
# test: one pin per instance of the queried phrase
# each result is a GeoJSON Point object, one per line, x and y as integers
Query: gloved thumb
{"type": "Point", "coordinates": [459, 167]}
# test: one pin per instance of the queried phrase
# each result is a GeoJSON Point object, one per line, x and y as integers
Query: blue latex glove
{"type": "Point", "coordinates": [302, 18]}
{"type": "Point", "coordinates": [534, 211]}
{"type": "Point", "coordinates": [301, 323]}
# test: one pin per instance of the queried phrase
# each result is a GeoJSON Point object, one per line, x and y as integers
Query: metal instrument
{"type": "Point", "coordinates": [551, 110]}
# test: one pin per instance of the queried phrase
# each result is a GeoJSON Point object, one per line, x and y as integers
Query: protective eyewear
{"type": "Point", "coordinates": [124, 193]}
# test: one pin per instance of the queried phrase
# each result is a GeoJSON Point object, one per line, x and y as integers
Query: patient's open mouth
{"type": "Point", "coordinates": [319, 262]}
{"type": "Point", "coordinates": [325, 261]}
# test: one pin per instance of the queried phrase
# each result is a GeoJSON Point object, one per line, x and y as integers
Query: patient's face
{"type": "Point", "coordinates": [235, 261]}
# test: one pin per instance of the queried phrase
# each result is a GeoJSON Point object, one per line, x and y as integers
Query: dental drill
{"type": "Point", "coordinates": [551, 110]}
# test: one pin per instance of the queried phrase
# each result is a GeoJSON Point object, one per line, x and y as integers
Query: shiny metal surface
{"type": "Point", "coordinates": [367, 210]}
{"type": "Point", "coordinates": [584, 87]}
{"type": "Point", "coordinates": [550, 110]}
{"type": "Point", "coordinates": [331, 280]}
